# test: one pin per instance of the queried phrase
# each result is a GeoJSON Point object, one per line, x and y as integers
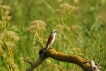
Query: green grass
{"type": "Point", "coordinates": [89, 33]}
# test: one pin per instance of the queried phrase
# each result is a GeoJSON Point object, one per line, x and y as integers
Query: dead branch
{"type": "Point", "coordinates": [43, 54]}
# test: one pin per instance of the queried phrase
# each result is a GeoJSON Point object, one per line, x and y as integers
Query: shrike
{"type": "Point", "coordinates": [51, 39]}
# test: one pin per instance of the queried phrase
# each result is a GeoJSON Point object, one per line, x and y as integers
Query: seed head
{"type": "Point", "coordinates": [1, 2]}
{"type": "Point", "coordinates": [37, 25]}
{"type": "Point", "coordinates": [61, 27]}
{"type": "Point", "coordinates": [5, 7]}
{"type": "Point", "coordinates": [66, 8]}
{"type": "Point", "coordinates": [9, 36]}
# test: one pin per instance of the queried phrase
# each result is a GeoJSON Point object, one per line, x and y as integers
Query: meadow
{"type": "Point", "coordinates": [26, 25]}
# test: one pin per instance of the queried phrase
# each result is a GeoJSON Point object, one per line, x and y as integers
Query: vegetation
{"type": "Point", "coordinates": [26, 25]}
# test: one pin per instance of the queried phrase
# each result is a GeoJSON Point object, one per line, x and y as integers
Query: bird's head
{"type": "Point", "coordinates": [54, 32]}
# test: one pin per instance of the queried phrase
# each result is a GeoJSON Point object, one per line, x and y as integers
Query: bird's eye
{"type": "Point", "coordinates": [56, 31]}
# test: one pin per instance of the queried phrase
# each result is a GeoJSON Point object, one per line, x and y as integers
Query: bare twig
{"type": "Point", "coordinates": [29, 61]}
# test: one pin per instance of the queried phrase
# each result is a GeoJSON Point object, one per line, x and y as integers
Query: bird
{"type": "Point", "coordinates": [51, 39]}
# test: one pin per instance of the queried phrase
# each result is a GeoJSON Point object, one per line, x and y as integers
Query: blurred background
{"type": "Point", "coordinates": [89, 21]}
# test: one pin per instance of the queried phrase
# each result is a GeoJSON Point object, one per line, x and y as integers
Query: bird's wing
{"type": "Point", "coordinates": [49, 40]}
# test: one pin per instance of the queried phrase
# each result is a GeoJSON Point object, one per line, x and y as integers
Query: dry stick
{"type": "Point", "coordinates": [43, 54]}
{"type": "Point", "coordinates": [84, 42]}
{"type": "Point", "coordinates": [29, 61]}
{"type": "Point", "coordinates": [38, 62]}
{"type": "Point", "coordinates": [35, 64]}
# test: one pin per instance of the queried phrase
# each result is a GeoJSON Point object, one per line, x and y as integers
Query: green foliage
{"type": "Point", "coordinates": [81, 26]}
